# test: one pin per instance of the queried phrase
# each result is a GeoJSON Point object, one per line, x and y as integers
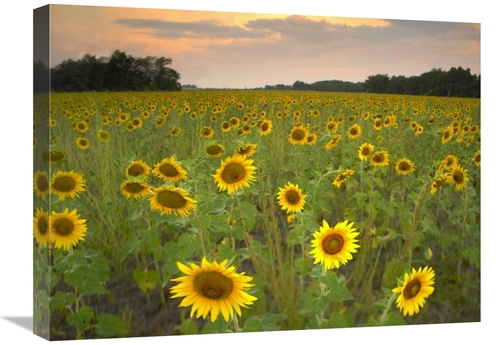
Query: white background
{"type": "Point", "coordinates": [17, 174]}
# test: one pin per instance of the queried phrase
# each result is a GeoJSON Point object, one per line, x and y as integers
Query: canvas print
{"type": "Point", "coordinates": [202, 172]}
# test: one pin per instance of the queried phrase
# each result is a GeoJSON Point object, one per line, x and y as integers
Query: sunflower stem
{"type": "Point", "coordinates": [385, 313]}
{"type": "Point", "coordinates": [248, 238]}
{"type": "Point", "coordinates": [235, 324]}
{"type": "Point", "coordinates": [204, 235]}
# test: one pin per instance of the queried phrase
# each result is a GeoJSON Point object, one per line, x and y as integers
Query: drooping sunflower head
{"type": "Point", "coordinates": [477, 158]}
{"type": "Point", "coordinates": [103, 136]}
{"type": "Point", "coordinates": [82, 143]}
{"type": "Point", "coordinates": [447, 135]}
{"type": "Point", "coordinates": [333, 142]}
{"type": "Point", "coordinates": [438, 182]}
{"type": "Point", "coordinates": [41, 184]}
{"type": "Point", "coordinates": [53, 156]}
{"type": "Point", "coordinates": [41, 230]}
{"type": "Point", "coordinates": [245, 151]}
{"type": "Point", "coordinates": [334, 246]}
{"type": "Point", "coordinates": [298, 135]}
{"type": "Point", "coordinates": [450, 161]}
{"type": "Point", "coordinates": [214, 150]}
{"type": "Point", "coordinates": [341, 177]}
{"type": "Point", "coordinates": [235, 173]}
{"type": "Point", "coordinates": [175, 131]}
{"type": "Point", "coordinates": [67, 229]}
{"type": "Point", "coordinates": [138, 169]}
{"type": "Point", "coordinates": [380, 158]}
{"type": "Point", "coordinates": [458, 176]}
{"type": "Point", "coordinates": [413, 291]}
{"type": "Point", "coordinates": [170, 200]}
{"type": "Point", "coordinates": [404, 166]}
{"type": "Point", "coordinates": [311, 139]}
{"type": "Point", "coordinates": [67, 184]}
{"type": "Point", "coordinates": [136, 189]}
{"type": "Point", "coordinates": [170, 170]}
{"type": "Point", "coordinates": [212, 288]}
{"type": "Point", "coordinates": [354, 131]}
{"type": "Point", "coordinates": [365, 150]}
{"type": "Point", "coordinates": [291, 199]}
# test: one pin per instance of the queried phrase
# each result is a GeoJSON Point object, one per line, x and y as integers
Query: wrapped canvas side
{"type": "Point", "coordinates": [41, 172]}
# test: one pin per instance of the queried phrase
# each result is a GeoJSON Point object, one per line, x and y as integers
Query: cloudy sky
{"type": "Point", "coordinates": [247, 49]}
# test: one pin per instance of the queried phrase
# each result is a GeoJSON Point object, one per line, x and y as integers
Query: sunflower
{"type": "Point", "coordinates": [365, 151]}
{"type": "Point", "coordinates": [333, 142]}
{"type": "Point", "coordinates": [134, 188]}
{"type": "Point", "coordinates": [214, 150]}
{"type": "Point", "coordinates": [416, 287]}
{"type": "Point", "coordinates": [67, 184]}
{"type": "Point", "coordinates": [234, 122]}
{"type": "Point", "coordinates": [354, 131]}
{"type": "Point", "coordinates": [447, 135]}
{"type": "Point", "coordinates": [226, 126]}
{"type": "Point", "coordinates": [298, 135]}
{"type": "Point", "coordinates": [41, 231]}
{"type": "Point", "coordinates": [81, 126]}
{"type": "Point", "coordinates": [212, 288]}
{"type": "Point", "coordinates": [82, 143]}
{"type": "Point", "coordinates": [380, 158]}
{"type": "Point", "coordinates": [340, 178]}
{"type": "Point", "coordinates": [438, 182]}
{"type": "Point", "coordinates": [334, 246]}
{"type": "Point", "coordinates": [169, 200]}
{"type": "Point", "coordinates": [266, 127]}
{"type": "Point", "coordinates": [377, 124]}
{"type": "Point", "coordinates": [138, 169]}
{"type": "Point", "coordinates": [290, 219]}
{"type": "Point", "coordinates": [175, 131]}
{"type": "Point", "coordinates": [332, 126]}
{"type": "Point", "coordinates": [404, 166]}
{"type": "Point", "coordinates": [477, 158]}
{"type": "Point", "coordinates": [291, 198]}
{"type": "Point", "coordinates": [206, 132]}
{"type": "Point", "coordinates": [103, 136]}
{"type": "Point", "coordinates": [311, 139]}
{"type": "Point", "coordinates": [245, 151]}
{"type": "Point", "coordinates": [235, 173]}
{"type": "Point", "coordinates": [41, 184]}
{"type": "Point", "coordinates": [458, 176]}
{"type": "Point", "coordinates": [170, 170]}
{"type": "Point", "coordinates": [67, 229]}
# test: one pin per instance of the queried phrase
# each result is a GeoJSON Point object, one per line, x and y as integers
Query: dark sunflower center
{"type": "Point", "coordinates": [213, 285]}
{"type": "Point", "coordinates": [64, 184]}
{"type": "Point", "coordinates": [332, 244]}
{"type": "Point", "coordinates": [298, 134]}
{"type": "Point", "coordinates": [214, 150]}
{"type": "Point", "coordinates": [206, 131]}
{"type": "Point", "coordinates": [458, 177]}
{"type": "Point", "coordinates": [134, 187]}
{"type": "Point", "coordinates": [447, 134]}
{"type": "Point", "coordinates": [365, 151]}
{"type": "Point", "coordinates": [63, 226]}
{"type": "Point", "coordinates": [264, 127]}
{"type": "Point", "coordinates": [292, 197]}
{"type": "Point", "coordinates": [353, 131]}
{"type": "Point", "coordinates": [42, 183]}
{"type": "Point", "coordinates": [135, 170]}
{"type": "Point", "coordinates": [378, 158]}
{"type": "Point", "coordinates": [83, 142]}
{"type": "Point", "coordinates": [477, 159]}
{"type": "Point", "coordinates": [341, 177]}
{"type": "Point", "coordinates": [404, 166]}
{"type": "Point", "coordinates": [169, 170]}
{"type": "Point", "coordinates": [171, 199]}
{"type": "Point", "coordinates": [233, 172]}
{"type": "Point", "coordinates": [412, 288]}
{"type": "Point", "coordinates": [43, 225]}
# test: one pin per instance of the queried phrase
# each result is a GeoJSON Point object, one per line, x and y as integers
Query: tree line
{"type": "Point", "coordinates": [457, 82]}
{"type": "Point", "coordinates": [119, 72]}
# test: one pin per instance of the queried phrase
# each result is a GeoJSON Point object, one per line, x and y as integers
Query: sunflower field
{"type": "Point", "coordinates": [215, 211]}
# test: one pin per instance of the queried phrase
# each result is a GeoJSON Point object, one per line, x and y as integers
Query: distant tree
{"type": "Point", "coordinates": [40, 77]}
{"type": "Point", "coordinates": [378, 83]}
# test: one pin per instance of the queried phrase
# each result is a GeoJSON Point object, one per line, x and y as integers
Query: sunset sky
{"type": "Point", "coordinates": [238, 50]}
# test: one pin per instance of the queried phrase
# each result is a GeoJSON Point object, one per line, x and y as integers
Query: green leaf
{"type": "Point", "coordinates": [218, 326]}
{"type": "Point", "coordinates": [188, 244]}
{"type": "Point", "coordinates": [62, 300]}
{"type": "Point", "coordinates": [395, 319]}
{"type": "Point", "coordinates": [110, 325]}
{"type": "Point", "coordinates": [145, 279]}
{"type": "Point", "coordinates": [336, 288]}
{"type": "Point", "coordinates": [312, 304]}
{"type": "Point", "coordinates": [266, 322]}
{"type": "Point", "coordinates": [82, 319]}
{"type": "Point", "coordinates": [150, 238]}
{"type": "Point", "coordinates": [338, 320]}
